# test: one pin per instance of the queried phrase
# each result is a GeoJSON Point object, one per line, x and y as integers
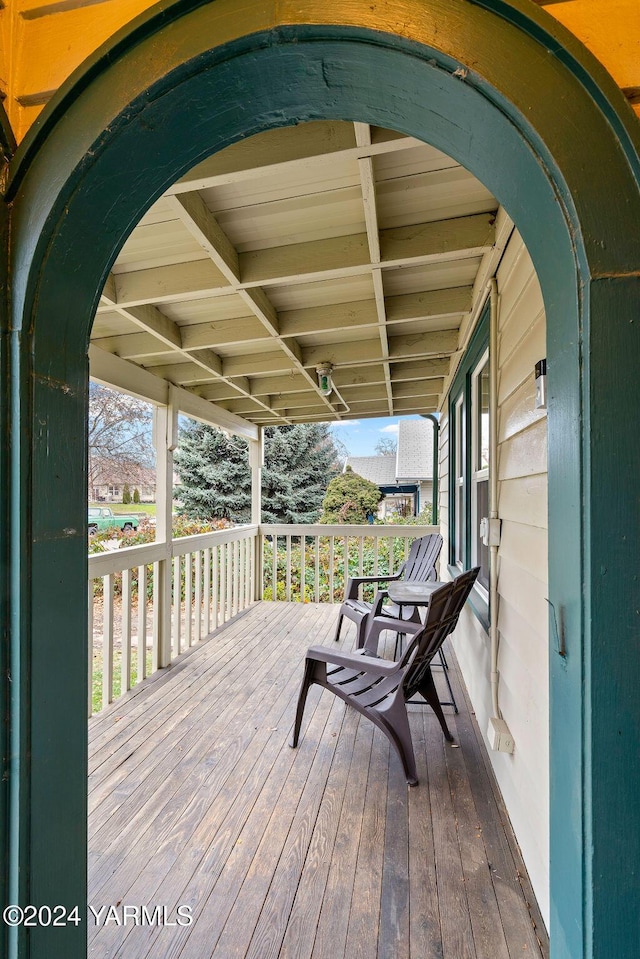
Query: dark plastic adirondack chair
{"type": "Point", "coordinates": [379, 689]}
{"type": "Point", "coordinates": [420, 566]}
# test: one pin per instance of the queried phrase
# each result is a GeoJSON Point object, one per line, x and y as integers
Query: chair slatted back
{"type": "Point", "coordinates": [444, 611]}
{"type": "Point", "coordinates": [423, 556]}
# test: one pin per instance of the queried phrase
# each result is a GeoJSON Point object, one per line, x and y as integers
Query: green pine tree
{"type": "Point", "coordinates": [136, 495]}
{"type": "Point", "coordinates": [126, 493]}
{"type": "Point", "coordinates": [215, 478]}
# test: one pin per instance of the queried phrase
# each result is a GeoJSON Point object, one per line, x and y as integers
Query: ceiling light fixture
{"type": "Point", "coordinates": [326, 385]}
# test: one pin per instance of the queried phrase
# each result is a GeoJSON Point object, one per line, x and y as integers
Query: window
{"type": "Point", "coordinates": [469, 479]}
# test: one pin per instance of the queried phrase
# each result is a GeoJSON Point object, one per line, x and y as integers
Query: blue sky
{"type": "Point", "coordinates": [360, 436]}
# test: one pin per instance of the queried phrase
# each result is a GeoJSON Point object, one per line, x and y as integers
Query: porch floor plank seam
{"type": "Point", "coordinates": [322, 852]}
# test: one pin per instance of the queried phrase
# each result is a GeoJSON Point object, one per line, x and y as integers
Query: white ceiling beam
{"type": "Point", "coordinates": [293, 400]}
{"type": "Point", "coordinates": [298, 262]}
{"type": "Point", "coordinates": [461, 237]}
{"type": "Point", "coordinates": [176, 283]}
{"type": "Point", "coordinates": [223, 333]}
{"type": "Point", "coordinates": [432, 303]}
{"type": "Point", "coordinates": [287, 383]}
{"type": "Point", "coordinates": [204, 227]}
{"type": "Point", "coordinates": [183, 374]}
{"type": "Point", "coordinates": [418, 388]}
{"type": "Point", "coordinates": [434, 242]}
{"type": "Point", "coordinates": [109, 294]}
{"type": "Point", "coordinates": [208, 360]}
{"type": "Point", "coordinates": [369, 351]}
{"type": "Point", "coordinates": [274, 362]}
{"type": "Point", "coordinates": [363, 134]}
{"type": "Point", "coordinates": [378, 291]}
{"type": "Point", "coordinates": [326, 319]}
{"type": "Point", "coordinates": [243, 406]}
{"type": "Point", "coordinates": [128, 378]}
{"type": "Point", "coordinates": [277, 153]}
{"type": "Point", "coordinates": [206, 230]}
{"type": "Point", "coordinates": [151, 320]}
{"type": "Point", "coordinates": [439, 343]}
{"type": "Point", "coordinates": [377, 391]}
{"type": "Point", "coordinates": [312, 261]}
{"type": "Point", "coordinates": [421, 369]}
{"type": "Point", "coordinates": [367, 183]}
{"type": "Point", "coordinates": [428, 403]}
{"type": "Point", "coordinates": [133, 346]}
{"type": "Point", "coordinates": [223, 390]}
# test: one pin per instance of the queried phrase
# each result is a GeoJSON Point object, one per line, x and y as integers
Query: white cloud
{"type": "Point", "coordinates": [392, 428]}
{"type": "Point", "coordinates": [345, 423]}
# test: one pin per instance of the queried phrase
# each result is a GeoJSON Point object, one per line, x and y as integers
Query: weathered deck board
{"type": "Point", "coordinates": [316, 853]}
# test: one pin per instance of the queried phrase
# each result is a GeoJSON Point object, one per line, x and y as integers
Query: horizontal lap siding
{"type": "Point", "coordinates": [522, 579]}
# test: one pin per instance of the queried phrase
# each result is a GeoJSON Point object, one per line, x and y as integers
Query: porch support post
{"type": "Point", "coordinates": [165, 439]}
{"type": "Point", "coordinates": [256, 462]}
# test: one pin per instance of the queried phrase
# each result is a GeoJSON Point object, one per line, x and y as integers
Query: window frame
{"type": "Point", "coordinates": [463, 440]}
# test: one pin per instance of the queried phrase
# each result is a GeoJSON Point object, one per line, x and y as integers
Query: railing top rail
{"type": "Point", "coordinates": [114, 561]}
{"type": "Point", "coordinates": [189, 544]}
{"type": "Point", "coordinates": [342, 530]}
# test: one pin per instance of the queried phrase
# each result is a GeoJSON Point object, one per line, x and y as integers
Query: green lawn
{"type": "Point", "coordinates": [120, 508]}
{"type": "Point", "coordinates": [96, 685]}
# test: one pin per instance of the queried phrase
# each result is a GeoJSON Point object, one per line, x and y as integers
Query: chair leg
{"type": "Point", "coordinates": [302, 699]}
{"type": "Point", "coordinates": [362, 631]}
{"type": "Point", "coordinates": [445, 669]}
{"type": "Point", "coordinates": [396, 727]}
{"type": "Point", "coordinates": [429, 692]}
{"type": "Point", "coordinates": [338, 627]}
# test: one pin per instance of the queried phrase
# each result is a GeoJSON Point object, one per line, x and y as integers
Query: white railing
{"type": "Point", "coordinates": [157, 600]}
{"type": "Point", "coordinates": [149, 603]}
{"type": "Point", "coordinates": [307, 563]}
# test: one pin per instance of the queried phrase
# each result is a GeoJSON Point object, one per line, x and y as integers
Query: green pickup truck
{"type": "Point", "coordinates": [101, 517]}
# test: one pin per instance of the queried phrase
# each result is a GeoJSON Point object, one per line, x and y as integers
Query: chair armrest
{"type": "Point", "coordinates": [368, 664]}
{"type": "Point", "coordinates": [393, 623]}
{"type": "Point", "coordinates": [378, 600]}
{"type": "Point", "coordinates": [354, 582]}
{"type": "Point", "coordinates": [379, 624]}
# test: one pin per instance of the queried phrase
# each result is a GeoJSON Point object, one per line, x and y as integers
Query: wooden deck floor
{"type": "Point", "coordinates": [322, 852]}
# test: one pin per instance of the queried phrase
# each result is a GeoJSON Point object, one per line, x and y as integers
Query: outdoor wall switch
{"type": "Point", "coordinates": [500, 739]}
{"type": "Point", "coordinates": [490, 531]}
{"type": "Point", "coordinates": [541, 384]}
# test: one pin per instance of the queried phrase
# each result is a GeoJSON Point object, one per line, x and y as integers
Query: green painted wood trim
{"type": "Point", "coordinates": [461, 386]}
{"type": "Point", "coordinates": [436, 465]}
{"type": "Point", "coordinates": [8, 702]}
{"type": "Point", "coordinates": [119, 134]}
{"type": "Point", "coordinates": [8, 144]}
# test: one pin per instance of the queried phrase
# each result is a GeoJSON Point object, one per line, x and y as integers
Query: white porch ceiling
{"type": "Point", "coordinates": [327, 242]}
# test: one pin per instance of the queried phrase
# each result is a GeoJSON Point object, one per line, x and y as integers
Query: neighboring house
{"type": "Point", "coordinates": [107, 480]}
{"type": "Point", "coordinates": [405, 477]}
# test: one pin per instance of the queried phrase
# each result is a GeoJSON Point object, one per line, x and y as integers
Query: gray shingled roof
{"type": "Point", "coordinates": [412, 463]}
{"type": "Point", "coordinates": [380, 470]}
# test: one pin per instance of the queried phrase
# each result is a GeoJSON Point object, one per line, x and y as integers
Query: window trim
{"type": "Point", "coordinates": [461, 391]}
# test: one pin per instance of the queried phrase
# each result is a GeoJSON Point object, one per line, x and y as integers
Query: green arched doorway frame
{"type": "Point", "coordinates": [518, 101]}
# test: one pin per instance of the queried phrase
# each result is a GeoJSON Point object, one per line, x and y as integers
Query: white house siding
{"type": "Point", "coordinates": [426, 493]}
{"type": "Point", "coordinates": [523, 658]}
